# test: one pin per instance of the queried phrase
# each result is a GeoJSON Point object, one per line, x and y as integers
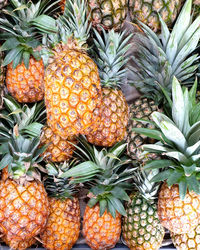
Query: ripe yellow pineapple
{"type": "Point", "coordinates": [103, 170]}
{"type": "Point", "coordinates": [189, 241]}
{"type": "Point", "coordinates": [19, 245]}
{"type": "Point", "coordinates": [25, 69]}
{"type": "Point", "coordinates": [58, 149]}
{"type": "Point", "coordinates": [147, 11]}
{"type": "Point", "coordinates": [24, 206]}
{"type": "Point", "coordinates": [114, 108]}
{"type": "Point", "coordinates": [72, 84]}
{"type": "Point", "coordinates": [63, 225]}
{"type": "Point", "coordinates": [179, 216]}
{"type": "Point", "coordinates": [179, 198]}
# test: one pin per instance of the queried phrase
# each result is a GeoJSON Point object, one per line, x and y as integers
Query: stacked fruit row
{"type": "Point", "coordinates": [138, 163]}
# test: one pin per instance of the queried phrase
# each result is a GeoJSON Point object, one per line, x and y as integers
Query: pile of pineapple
{"type": "Point", "coordinates": [68, 135]}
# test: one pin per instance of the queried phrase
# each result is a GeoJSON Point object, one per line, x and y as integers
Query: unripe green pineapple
{"type": "Point", "coordinates": [141, 227]}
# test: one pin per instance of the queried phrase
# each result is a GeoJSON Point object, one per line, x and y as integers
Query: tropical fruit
{"type": "Point", "coordinates": [24, 206]}
{"type": "Point", "coordinates": [63, 225]}
{"type": "Point", "coordinates": [25, 69]}
{"type": "Point", "coordinates": [19, 245]}
{"type": "Point", "coordinates": [154, 64]}
{"type": "Point", "coordinates": [58, 149]}
{"type": "Point", "coordinates": [141, 228]}
{"type": "Point", "coordinates": [108, 14]}
{"type": "Point", "coordinates": [114, 113]}
{"type": "Point", "coordinates": [102, 170]}
{"type": "Point", "coordinates": [147, 12]}
{"type": "Point", "coordinates": [189, 241]}
{"type": "Point", "coordinates": [72, 84]}
{"type": "Point", "coordinates": [179, 199]}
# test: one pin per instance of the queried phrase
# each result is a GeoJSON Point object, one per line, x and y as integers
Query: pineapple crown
{"type": "Point", "coordinates": [179, 141]}
{"type": "Point", "coordinates": [22, 156]}
{"type": "Point", "coordinates": [29, 120]}
{"type": "Point", "coordinates": [23, 24]}
{"type": "Point", "coordinates": [73, 29]}
{"type": "Point", "coordinates": [111, 57]}
{"type": "Point", "coordinates": [160, 58]}
{"type": "Point", "coordinates": [57, 186]}
{"type": "Point", "coordinates": [142, 181]}
{"type": "Point", "coordinates": [106, 172]}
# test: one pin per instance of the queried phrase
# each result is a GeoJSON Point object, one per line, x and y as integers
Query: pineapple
{"type": "Point", "coordinates": [58, 149]}
{"type": "Point", "coordinates": [156, 61]}
{"type": "Point", "coordinates": [25, 68]}
{"type": "Point", "coordinates": [102, 170]}
{"type": "Point", "coordinates": [179, 196]}
{"type": "Point", "coordinates": [19, 245]}
{"type": "Point", "coordinates": [189, 241]}
{"type": "Point", "coordinates": [108, 14]}
{"type": "Point", "coordinates": [147, 12]}
{"type": "Point", "coordinates": [114, 108]}
{"type": "Point", "coordinates": [141, 227]}
{"type": "Point", "coordinates": [63, 225]}
{"type": "Point", "coordinates": [24, 206]}
{"type": "Point", "coordinates": [72, 84]}
{"type": "Point", "coordinates": [3, 3]}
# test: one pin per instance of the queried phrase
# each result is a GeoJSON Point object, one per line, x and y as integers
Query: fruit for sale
{"type": "Point", "coordinates": [141, 227]}
{"type": "Point", "coordinates": [179, 199]}
{"type": "Point", "coordinates": [24, 206]}
{"type": "Point", "coordinates": [58, 149]}
{"type": "Point", "coordinates": [106, 173]}
{"type": "Point", "coordinates": [189, 241]}
{"type": "Point", "coordinates": [155, 64]}
{"type": "Point", "coordinates": [25, 69]}
{"type": "Point", "coordinates": [148, 12]}
{"type": "Point", "coordinates": [63, 225]}
{"type": "Point", "coordinates": [107, 14]}
{"type": "Point", "coordinates": [72, 84]}
{"type": "Point", "coordinates": [19, 245]}
{"type": "Point", "coordinates": [114, 114]}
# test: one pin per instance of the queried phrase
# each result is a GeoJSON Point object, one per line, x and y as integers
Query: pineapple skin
{"type": "Point", "coordinates": [72, 94]}
{"type": "Point", "coordinates": [24, 209]}
{"type": "Point", "coordinates": [113, 119]}
{"type": "Point", "coordinates": [19, 245]}
{"type": "Point", "coordinates": [146, 11]}
{"type": "Point", "coordinates": [101, 232]}
{"type": "Point", "coordinates": [59, 150]}
{"type": "Point", "coordinates": [63, 225]}
{"type": "Point", "coordinates": [189, 241]}
{"type": "Point", "coordinates": [26, 85]}
{"type": "Point", "coordinates": [141, 228]}
{"type": "Point", "coordinates": [179, 216]}
{"type": "Point", "coordinates": [109, 14]}
{"type": "Point", "coordinates": [141, 108]}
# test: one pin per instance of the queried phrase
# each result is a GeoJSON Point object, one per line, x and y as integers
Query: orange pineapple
{"type": "Point", "coordinates": [114, 109]}
{"type": "Point", "coordinates": [101, 232]}
{"type": "Point", "coordinates": [23, 199]}
{"type": "Point", "coordinates": [26, 85]}
{"type": "Point", "coordinates": [102, 169]}
{"type": "Point", "coordinates": [25, 69]}
{"type": "Point", "coordinates": [58, 149]}
{"type": "Point", "coordinates": [72, 84]}
{"type": "Point", "coordinates": [19, 245]}
{"type": "Point", "coordinates": [63, 225]}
